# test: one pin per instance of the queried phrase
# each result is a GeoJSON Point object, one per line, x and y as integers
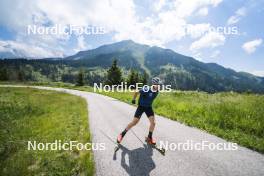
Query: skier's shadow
{"type": "Point", "coordinates": [139, 161]}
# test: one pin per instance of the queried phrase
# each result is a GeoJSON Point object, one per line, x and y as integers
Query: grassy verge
{"type": "Point", "coordinates": [42, 116]}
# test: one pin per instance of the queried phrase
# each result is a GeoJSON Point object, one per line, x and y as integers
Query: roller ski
{"type": "Point", "coordinates": [152, 143]}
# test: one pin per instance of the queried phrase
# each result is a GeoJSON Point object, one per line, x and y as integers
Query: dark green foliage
{"type": "Point", "coordinates": [133, 77]}
{"type": "Point", "coordinates": [21, 75]}
{"type": "Point", "coordinates": [144, 78]}
{"type": "Point", "coordinates": [68, 77]}
{"type": "Point", "coordinates": [80, 78]}
{"type": "Point", "coordinates": [46, 71]}
{"type": "Point", "coordinates": [3, 74]}
{"type": "Point", "coordinates": [126, 59]}
{"type": "Point", "coordinates": [114, 74]}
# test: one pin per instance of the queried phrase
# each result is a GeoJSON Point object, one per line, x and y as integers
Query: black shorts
{"type": "Point", "coordinates": [141, 109]}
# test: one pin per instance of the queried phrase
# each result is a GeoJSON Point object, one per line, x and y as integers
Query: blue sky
{"type": "Point", "coordinates": [165, 23]}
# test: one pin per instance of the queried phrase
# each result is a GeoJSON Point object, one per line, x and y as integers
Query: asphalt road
{"type": "Point", "coordinates": [108, 117]}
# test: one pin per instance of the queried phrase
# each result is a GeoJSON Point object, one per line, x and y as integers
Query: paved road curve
{"type": "Point", "coordinates": [108, 117]}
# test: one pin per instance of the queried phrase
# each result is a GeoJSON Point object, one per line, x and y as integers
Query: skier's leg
{"type": "Point", "coordinates": [151, 117]}
{"type": "Point", "coordinates": [129, 126]}
{"type": "Point", "coordinates": [150, 113]}
{"type": "Point", "coordinates": [132, 123]}
{"type": "Point", "coordinates": [152, 124]}
{"type": "Point", "coordinates": [135, 120]}
{"type": "Point", "coordinates": [151, 129]}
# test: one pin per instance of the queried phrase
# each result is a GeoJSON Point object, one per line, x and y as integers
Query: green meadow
{"type": "Point", "coordinates": [44, 116]}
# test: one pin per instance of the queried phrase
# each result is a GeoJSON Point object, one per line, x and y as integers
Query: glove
{"type": "Point", "coordinates": [133, 101]}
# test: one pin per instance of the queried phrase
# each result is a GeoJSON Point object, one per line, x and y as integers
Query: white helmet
{"type": "Point", "coordinates": [156, 80]}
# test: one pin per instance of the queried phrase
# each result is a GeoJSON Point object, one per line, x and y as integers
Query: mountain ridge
{"type": "Point", "coordinates": [80, 54]}
{"type": "Point", "coordinates": [173, 67]}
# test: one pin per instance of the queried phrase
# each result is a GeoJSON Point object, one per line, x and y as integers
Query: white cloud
{"type": "Point", "coordinates": [158, 4]}
{"type": "Point", "coordinates": [81, 44]}
{"type": "Point", "coordinates": [241, 11]}
{"type": "Point", "coordinates": [209, 40]}
{"type": "Point", "coordinates": [203, 11]}
{"type": "Point", "coordinates": [118, 17]}
{"type": "Point", "coordinates": [170, 25]}
{"type": "Point", "coordinates": [186, 8]}
{"type": "Point", "coordinates": [258, 72]}
{"type": "Point", "coordinates": [20, 15]}
{"type": "Point", "coordinates": [198, 56]}
{"type": "Point", "coordinates": [251, 46]}
{"type": "Point", "coordinates": [21, 49]}
{"type": "Point", "coordinates": [215, 54]}
{"type": "Point", "coordinates": [237, 17]}
{"type": "Point", "coordinates": [114, 15]}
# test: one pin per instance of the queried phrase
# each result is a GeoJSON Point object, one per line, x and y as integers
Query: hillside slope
{"type": "Point", "coordinates": [182, 72]}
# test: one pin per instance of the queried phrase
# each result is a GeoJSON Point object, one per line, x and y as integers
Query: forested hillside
{"type": "Point", "coordinates": [182, 72]}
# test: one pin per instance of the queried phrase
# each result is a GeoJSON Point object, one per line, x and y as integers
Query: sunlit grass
{"type": "Point", "coordinates": [43, 116]}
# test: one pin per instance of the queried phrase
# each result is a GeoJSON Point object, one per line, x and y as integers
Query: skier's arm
{"type": "Point", "coordinates": [134, 97]}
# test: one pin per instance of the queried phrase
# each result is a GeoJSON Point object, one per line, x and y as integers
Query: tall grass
{"type": "Point", "coordinates": [42, 116]}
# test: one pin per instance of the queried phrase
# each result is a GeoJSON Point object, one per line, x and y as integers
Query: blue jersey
{"type": "Point", "coordinates": [146, 98]}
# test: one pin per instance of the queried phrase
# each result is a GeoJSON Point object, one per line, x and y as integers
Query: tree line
{"type": "Point", "coordinates": [115, 76]}
{"type": "Point", "coordinates": [22, 70]}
